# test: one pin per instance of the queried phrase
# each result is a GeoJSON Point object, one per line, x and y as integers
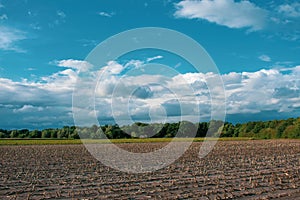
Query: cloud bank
{"type": "Point", "coordinates": [48, 102]}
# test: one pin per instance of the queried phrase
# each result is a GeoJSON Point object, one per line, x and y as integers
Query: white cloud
{"type": "Point", "coordinates": [247, 92]}
{"type": "Point", "coordinates": [61, 14]}
{"type": "Point", "coordinates": [35, 26]}
{"type": "Point", "coordinates": [112, 68]}
{"type": "Point", "coordinates": [106, 14]}
{"type": "Point", "coordinates": [48, 100]}
{"type": "Point", "coordinates": [134, 63]}
{"type": "Point", "coordinates": [3, 17]}
{"type": "Point", "coordinates": [292, 10]}
{"type": "Point", "coordinates": [60, 81]}
{"type": "Point", "coordinates": [243, 14]}
{"type": "Point", "coordinates": [28, 108]}
{"type": "Point", "coordinates": [259, 91]}
{"type": "Point", "coordinates": [284, 21]}
{"type": "Point", "coordinates": [60, 19]}
{"type": "Point", "coordinates": [83, 66]}
{"type": "Point", "coordinates": [9, 37]}
{"type": "Point", "coordinates": [154, 58]}
{"type": "Point", "coordinates": [265, 58]}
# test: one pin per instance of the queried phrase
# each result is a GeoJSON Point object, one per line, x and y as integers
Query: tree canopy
{"type": "Point", "coordinates": [289, 128]}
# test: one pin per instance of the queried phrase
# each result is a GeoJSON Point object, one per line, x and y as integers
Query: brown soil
{"type": "Point", "coordinates": [267, 169]}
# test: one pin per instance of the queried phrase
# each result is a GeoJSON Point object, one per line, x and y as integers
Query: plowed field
{"type": "Point", "coordinates": [262, 169]}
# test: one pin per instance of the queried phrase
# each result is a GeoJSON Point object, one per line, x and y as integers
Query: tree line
{"type": "Point", "coordinates": [289, 128]}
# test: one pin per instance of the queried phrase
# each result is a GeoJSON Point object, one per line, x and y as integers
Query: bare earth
{"type": "Point", "coordinates": [234, 169]}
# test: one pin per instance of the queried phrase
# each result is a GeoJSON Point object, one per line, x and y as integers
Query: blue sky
{"type": "Point", "coordinates": [43, 44]}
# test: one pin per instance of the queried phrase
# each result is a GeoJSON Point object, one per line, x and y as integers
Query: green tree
{"type": "Point", "coordinates": [46, 133]}
{"type": "Point", "coordinates": [84, 132]}
{"type": "Point", "coordinates": [292, 131]}
{"type": "Point", "coordinates": [258, 127]}
{"type": "Point", "coordinates": [74, 134]}
{"type": "Point", "coordinates": [202, 129]}
{"type": "Point", "coordinates": [281, 128]}
{"type": "Point", "coordinates": [215, 128]}
{"type": "Point", "coordinates": [23, 133]}
{"type": "Point", "coordinates": [172, 130]}
{"type": "Point", "coordinates": [267, 133]}
{"type": "Point", "coordinates": [160, 130]}
{"type": "Point", "coordinates": [35, 134]}
{"type": "Point", "coordinates": [53, 133]}
{"type": "Point", "coordinates": [228, 130]}
{"type": "Point", "coordinates": [99, 134]}
{"type": "Point", "coordinates": [186, 129]}
{"type": "Point", "coordinates": [109, 132]}
{"type": "Point", "coordinates": [14, 134]}
{"type": "Point", "coordinates": [2, 135]}
{"type": "Point", "coordinates": [237, 129]}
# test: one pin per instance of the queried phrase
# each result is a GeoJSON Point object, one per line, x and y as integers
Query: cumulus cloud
{"type": "Point", "coordinates": [9, 38]}
{"type": "Point", "coordinates": [290, 10]}
{"type": "Point", "coordinates": [247, 92]}
{"type": "Point", "coordinates": [74, 64]}
{"type": "Point", "coordinates": [46, 102]}
{"type": "Point", "coordinates": [122, 98]}
{"type": "Point", "coordinates": [259, 91]}
{"type": "Point", "coordinates": [265, 58]}
{"type": "Point", "coordinates": [28, 108]}
{"type": "Point", "coordinates": [277, 21]}
{"type": "Point", "coordinates": [143, 92]}
{"type": "Point", "coordinates": [242, 14]}
{"type": "Point", "coordinates": [112, 68]}
{"type": "Point", "coordinates": [35, 104]}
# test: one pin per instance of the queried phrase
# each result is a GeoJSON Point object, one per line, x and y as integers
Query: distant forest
{"type": "Point", "coordinates": [289, 128]}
